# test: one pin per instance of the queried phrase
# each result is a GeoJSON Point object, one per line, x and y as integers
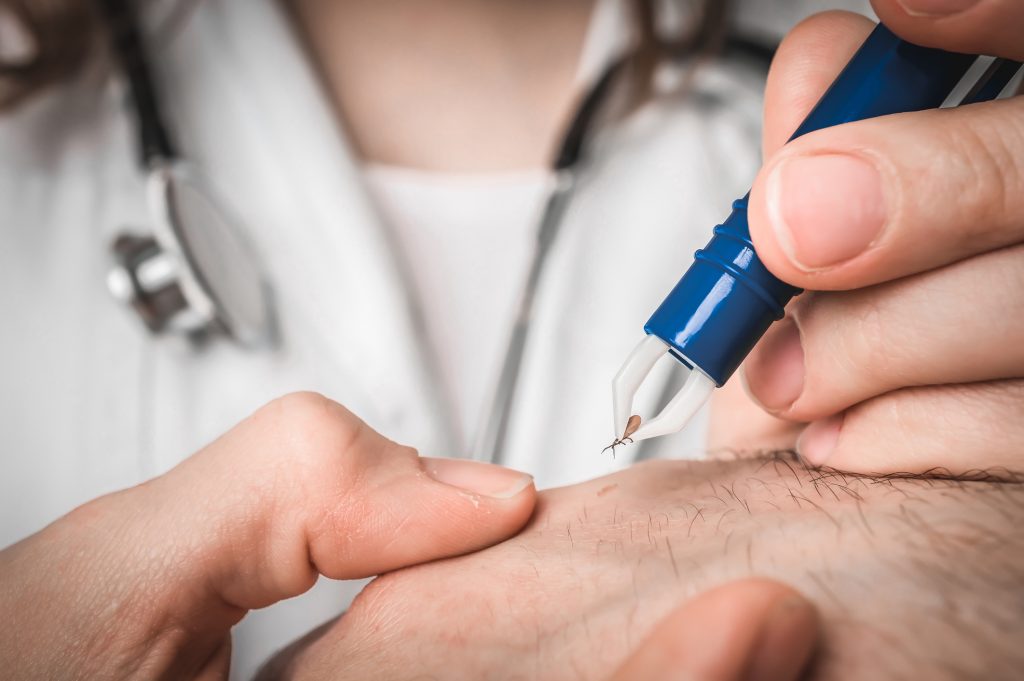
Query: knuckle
{"type": "Point", "coordinates": [308, 446]}
{"type": "Point", "coordinates": [326, 457]}
{"type": "Point", "coordinates": [988, 146]}
{"type": "Point", "coordinates": [302, 407]}
{"type": "Point", "coordinates": [309, 424]}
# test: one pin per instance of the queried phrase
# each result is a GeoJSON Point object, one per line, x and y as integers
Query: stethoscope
{"type": "Point", "coordinates": [196, 275]}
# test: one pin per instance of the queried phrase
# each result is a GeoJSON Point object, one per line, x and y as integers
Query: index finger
{"type": "Point", "coordinates": [807, 61]}
{"type": "Point", "coordinates": [973, 26]}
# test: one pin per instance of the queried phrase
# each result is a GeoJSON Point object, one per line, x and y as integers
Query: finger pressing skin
{"type": "Point", "coordinates": [755, 629]}
{"type": "Point", "coordinates": [807, 61]}
{"type": "Point", "coordinates": [878, 199]}
{"type": "Point", "coordinates": [971, 26]}
{"type": "Point", "coordinates": [304, 487]}
{"type": "Point", "coordinates": [958, 428]}
{"type": "Point", "coordinates": [301, 488]}
{"type": "Point", "coordinates": [834, 350]}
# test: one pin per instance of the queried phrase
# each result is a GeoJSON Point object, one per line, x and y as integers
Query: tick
{"type": "Point", "coordinates": [631, 426]}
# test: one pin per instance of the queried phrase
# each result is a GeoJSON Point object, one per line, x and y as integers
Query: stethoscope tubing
{"type": "Point", "coordinates": [155, 143]}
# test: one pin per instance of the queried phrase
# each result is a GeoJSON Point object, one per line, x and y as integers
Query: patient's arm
{"type": "Point", "coordinates": [913, 578]}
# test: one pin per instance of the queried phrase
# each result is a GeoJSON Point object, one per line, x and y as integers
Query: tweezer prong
{"type": "Point", "coordinates": [631, 376]}
{"type": "Point", "coordinates": [677, 413]}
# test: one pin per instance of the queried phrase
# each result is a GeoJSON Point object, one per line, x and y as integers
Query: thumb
{"type": "Point", "coordinates": [303, 487]}
{"type": "Point", "coordinates": [299, 489]}
{"type": "Point", "coordinates": [755, 629]}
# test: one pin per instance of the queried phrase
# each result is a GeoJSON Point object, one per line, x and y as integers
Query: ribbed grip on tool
{"type": "Point", "coordinates": [728, 299]}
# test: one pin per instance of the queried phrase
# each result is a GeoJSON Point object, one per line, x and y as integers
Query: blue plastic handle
{"type": "Point", "coordinates": [728, 299]}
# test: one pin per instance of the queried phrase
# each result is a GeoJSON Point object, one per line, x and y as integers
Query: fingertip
{"type": "Point", "coordinates": [787, 640]}
{"type": "Point", "coordinates": [437, 509]}
{"type": "Point", "coordinates": [822, 210]}
{"type": "Point", "coordinates": [807, 61]}
{"type": "Point", "coordinates": [970, 26]}
{"type": "Point", "coordinates": [773, 373]}
{"type": "Point", "coordinates": [810, 57]}
{"type": "Point", "coordinates": [750, 629]}
{"type": "Point", "coordinates": [776, 629]}
{"type": "Point", "coordinates": [496, 501]}
{"type": "Point", "coordinates": [490, 502]}
{"type": "Point", "coordinates": [493, 501]}
{"type": "Point", "coordinates": [820, 440]}
{"type": "Point", "coordinates": [477, 477]}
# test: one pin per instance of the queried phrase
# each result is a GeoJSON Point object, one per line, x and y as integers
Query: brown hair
{"type": "Point", "coordinates": [705, 35]}
{"type": "Point", "coordinates": [62, 33]}
{"type": "Point", "coordinates": [59, 35]}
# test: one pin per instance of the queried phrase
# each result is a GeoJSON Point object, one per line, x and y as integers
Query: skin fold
{"type": "Point", "coordinates": [913, 578]}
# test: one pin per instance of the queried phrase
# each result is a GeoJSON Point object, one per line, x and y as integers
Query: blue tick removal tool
{"type": "Point", "coordinates": [727, 299]}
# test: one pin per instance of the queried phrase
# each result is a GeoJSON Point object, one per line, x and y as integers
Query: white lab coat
{"type": "Point", "coordinates": [89, 403]}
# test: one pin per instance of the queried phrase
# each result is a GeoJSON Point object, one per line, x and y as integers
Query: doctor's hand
{"type": "Point", "coordinates": [147, 582]}
{"type": "Point", "coordinates": [909, 230]}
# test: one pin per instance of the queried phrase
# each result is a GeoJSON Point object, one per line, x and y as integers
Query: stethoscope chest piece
{"type": "Point", "coordinates": [194, 274]}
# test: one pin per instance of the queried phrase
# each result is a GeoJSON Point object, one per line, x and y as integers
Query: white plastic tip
{"type": "Point", "coordinates": [676, 414]}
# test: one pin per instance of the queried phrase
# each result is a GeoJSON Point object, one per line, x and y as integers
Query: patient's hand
{"type": "Point", "coordinates": [914, 579]}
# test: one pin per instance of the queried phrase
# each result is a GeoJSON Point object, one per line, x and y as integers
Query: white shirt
{"type": "Point", "coordinates": [467, 241]}
{"type": "Point", "coordinates": [455, 231]}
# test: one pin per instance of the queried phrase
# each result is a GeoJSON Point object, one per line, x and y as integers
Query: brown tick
{"type": "Point", "coordinates": [631, 426]}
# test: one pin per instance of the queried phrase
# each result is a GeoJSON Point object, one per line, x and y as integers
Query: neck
{"type": "Point", "coordinates": [449, 85]}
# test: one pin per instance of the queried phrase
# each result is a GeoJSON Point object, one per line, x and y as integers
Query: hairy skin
{"type": "Point", "coordinates": [914, 578]}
